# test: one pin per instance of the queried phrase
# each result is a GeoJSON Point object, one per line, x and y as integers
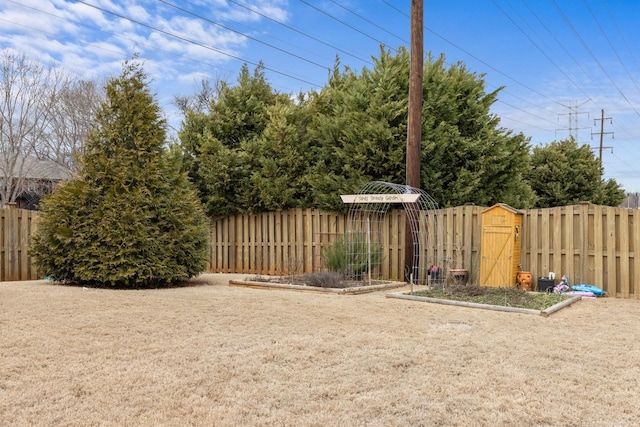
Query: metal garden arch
{"type": "Point", "coordinates": [367, 228]}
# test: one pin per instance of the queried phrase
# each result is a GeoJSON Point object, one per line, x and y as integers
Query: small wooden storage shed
{"type": "Point", "coordinates": [500, 246]}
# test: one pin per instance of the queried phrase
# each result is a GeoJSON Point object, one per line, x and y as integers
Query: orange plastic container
{"type": "Point", "coordinates": [524, 280]}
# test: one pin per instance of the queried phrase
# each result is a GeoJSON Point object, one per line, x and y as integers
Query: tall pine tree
{"type": "Point", "coordinates": [130, 219]}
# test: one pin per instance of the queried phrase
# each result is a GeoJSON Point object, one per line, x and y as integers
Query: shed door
{"type": "Point", "coordinates": [497, 256]}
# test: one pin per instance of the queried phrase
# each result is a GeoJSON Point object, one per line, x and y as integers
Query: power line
{"type": "Point", "coordinates": [632, 167]}
{"type": "Point", "coordinates": [253, 30]}
{"type": "Point", "coordinates": [119, 36]}
{"type": "Point", "coordinates": [526, 112]}
{"type": "Point", "coordinates": [191, 41]}
{"type": "Point", "coordinates": [611, 45]}
{"type": "Point", "coordinates": [136, 42]}
{"type": "Point", "coordinates": [575, 84]}
{"type": "Point", "coordinates": [370, 22]}
{"type": "Point", "coordinates": [559, 43]}
{"type": "Point", "coordinates": [539, 48]}
{"type": "Point", "coordinates": [529, 111]}
{"type": "Point", "coordinates": [300, 32]}
{"type": "Point", "coordinates": [460, 48]}
{"type": "Point", "coordinates": [595, 58]}
{"type": "Point", "coordinates": [562, 46]}
{"type": "Point", "coordinates": [493, 68]}
{"type": "Point", "coordinates": [344, 23]}
{"type": "Point", "coordinates": [151, 27]}
{"type": "Point", "coordinates": [243, 34]}
{"type": "Point", "coordinates": [624, 41]}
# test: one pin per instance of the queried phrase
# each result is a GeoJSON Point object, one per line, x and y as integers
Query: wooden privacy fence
{"type": "Point", "coordinates": [291, 241]}
{"type": "Point", "coordinates": [16, 227]}
{"type": "Point", "coordinates": [590, 244]}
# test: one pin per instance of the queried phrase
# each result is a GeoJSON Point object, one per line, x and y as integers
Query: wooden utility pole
{"type": "Point", "coordinates": [602, 132]}
{"type": "Point", "coordinates": [414, 127]}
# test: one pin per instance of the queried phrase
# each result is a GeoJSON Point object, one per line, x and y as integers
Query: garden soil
{"type": "Point", "coordinates": [213, 355]}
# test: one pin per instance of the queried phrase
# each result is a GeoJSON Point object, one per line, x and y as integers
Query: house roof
{"type": "Point", "coordinates": [31, 167]}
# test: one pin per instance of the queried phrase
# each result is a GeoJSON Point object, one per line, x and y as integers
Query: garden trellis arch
{"type": "Point", "coordinates": [367, 230]}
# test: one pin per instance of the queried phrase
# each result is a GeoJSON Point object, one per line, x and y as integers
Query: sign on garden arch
{"type": "Point", "coordinates": [374, 241]}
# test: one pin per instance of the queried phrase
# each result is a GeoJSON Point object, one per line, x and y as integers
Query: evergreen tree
{"type": "Point", "coordinates": [330, 174]}
{"type": "Point", "coordinates": [282, 157]}
{"type": "Point", "coordinates": [611, 193]}
{"type": "Point", "coordinates": [562, 173]}
{"type": "Point", "coordinates": [217, 171]}
{"type": "Point", "coordinates": [466, 155]}
{"type": "Point", "coordinates": [220, 145]}
{"type": "Point", "coordinates": [130, 218]}
{"type": "Point", "coordinates": [360, 133]}
{"type": "Point", "coordinates": [267, 152]}
{"type": "Point", "coordinates": [240, 112]}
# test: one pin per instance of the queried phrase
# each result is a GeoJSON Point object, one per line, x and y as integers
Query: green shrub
{"type": "Point", "coordinates": [130, 219]}
{"type": "Point", "coordinates": [324, 279]}
{"type": "Point", "coordinates": [349, 255]}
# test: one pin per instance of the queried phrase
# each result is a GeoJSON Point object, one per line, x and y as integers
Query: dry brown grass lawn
{"type": "Point", "coordinates": [227, 356]}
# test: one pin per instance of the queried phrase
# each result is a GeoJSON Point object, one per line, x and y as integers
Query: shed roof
{"type": "Point", "coordinates": [505, 207]}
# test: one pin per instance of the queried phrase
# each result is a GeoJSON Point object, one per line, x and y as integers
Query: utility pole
{"type": "Point", "coordinates": [573, 119]}
{"type": "Point", "coordinates": [602, 132]}
{"type": "Point", "coordinates": [414, 125]}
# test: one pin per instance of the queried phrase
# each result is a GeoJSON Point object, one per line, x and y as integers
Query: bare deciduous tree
{"type": "Point", "coordinates": [28, 92]}
{"type": "Point", "coordinates": [199, 101]}
{"type": "Point", "coordinates": [45, 118]}
{"type": "Point", "coordinates": [73, 118]}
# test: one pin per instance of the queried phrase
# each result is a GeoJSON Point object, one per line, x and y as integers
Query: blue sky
{"type": "Point", "coordinates": [561, 61]}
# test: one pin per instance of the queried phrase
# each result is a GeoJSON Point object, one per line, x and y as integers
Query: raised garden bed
{"type": "Point", "coordinates": [499, 299]}
{"type": "Point", "coordinates": [298, 284]}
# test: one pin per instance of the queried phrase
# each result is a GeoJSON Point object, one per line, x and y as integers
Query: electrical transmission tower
{"type": "Point", "coordinates": [573, 114]}
{"type": "Point", "coordinates": [602, 133]}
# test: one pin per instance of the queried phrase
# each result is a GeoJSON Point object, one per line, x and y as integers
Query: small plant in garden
{"type": "Point", "coordinates": [325, 279]}
{"type": "Point", "coordinates": [351, 255]}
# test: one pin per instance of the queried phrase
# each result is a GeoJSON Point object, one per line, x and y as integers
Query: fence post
{"type": "Point", "coordinates": [10, 242]}
{"type": "Point", "coordinates": [3, 243]}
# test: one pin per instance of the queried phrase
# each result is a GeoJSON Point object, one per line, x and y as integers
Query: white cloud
{"type": "Point", "coordinates": [92, 43]}
{"type": "Point", "coordinates": [274, 9]}
{"type": "Point", "coordinates": [137, 13]}
{"type": "Point", "coordinates": [203, 32]}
